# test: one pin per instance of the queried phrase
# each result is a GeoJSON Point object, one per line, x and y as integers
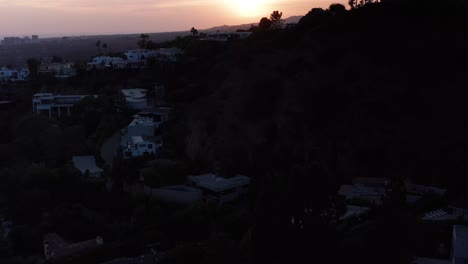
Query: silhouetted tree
{"type": "Point", "coordinates": [194, 31]}
{"type": "Point", "coordinates": [98, 46]}
{"type": "Point", "coordinates": [143, 42]}
{"type": "Point", "coordinates": [33, 66]}
{"type": "Point", "coordinates": [276, 21]}
{"type": "Point", "coordinates": [313, 18]}
{"type": "Point", "coordinates": [254, 28]}
{"type": "Point", "coordinates": [104, 46]}
{"type": "Point", "coordinates": [265, 23]}
{"type": "Point", "coordinates": [337, 9]}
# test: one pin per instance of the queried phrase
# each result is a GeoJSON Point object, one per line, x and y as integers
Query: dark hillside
{"type": "Point", "coordinates": [377, 91]}
{"type": "Point", "coordinates": [381, 84]}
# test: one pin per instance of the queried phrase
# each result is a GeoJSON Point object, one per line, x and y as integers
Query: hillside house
{"type": "Point", "coordinates": [141, 126]}
{"type": "Point", "coordinates": [218, 189]}
{"type": "Point", "coordinates": [106, 62]}
{"type": "Point", "coordinates": [158, 115]}
{"type": "Point", "coordinates": [55, 105]}
{"type": "Point", "coordinates": [13, 75]}
{"type": "Point", "coordinates": [136, 98]}
{"type": "Point", "coordinates": [457, 209]}
{"type": "Point", "coordinates": [87, 166]}
{"type": "Point", "coordinates": [57, 70]}
{"type": "Point", "coordinates": [141, 55]}
{"type": "Point", "coordinates": [55, 248]}
{"type": "Point", "coordinates": [139, 146]}
{"type": "Point", "coordinates": [6, 74]}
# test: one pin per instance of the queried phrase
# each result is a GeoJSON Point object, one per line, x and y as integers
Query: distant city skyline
{"type": "Point", "coordinates": [54, 18]}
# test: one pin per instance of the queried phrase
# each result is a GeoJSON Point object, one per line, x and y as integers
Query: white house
{"type": "Point", "coordinates": [141, 145]}
{"type": "Point", "coordinates": [141, 126]}
{"type": "Point", "coordinates": [135, 99]}
{"type": "Point", "coordinates": [13, 75]}
{"type": "Point", "coordinates": [55, 105]}
{"type": "Point", "coordinates": [22, 74]}
{"type": "Point", "coordinates": [140, 55]}
{"type": "Point", "coordinates": [6, 74]}
{"type": "Point", "coordinates": [87, 165]}
{"type": "Point", "coordinates": [218, 189]}
{"type": "Point", "coordinates": [106, 62]}
{"type": "Point", "coordinates": [158, 115]}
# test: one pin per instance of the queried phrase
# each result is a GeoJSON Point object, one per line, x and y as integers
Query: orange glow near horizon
{"type": "Point", "coordinates": [74, 17]}
{"type": "Point", "coordinates": [250, 8]}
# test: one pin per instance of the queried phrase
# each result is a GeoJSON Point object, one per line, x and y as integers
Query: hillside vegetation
{"type": "Point", "coordinates": [376, 91]}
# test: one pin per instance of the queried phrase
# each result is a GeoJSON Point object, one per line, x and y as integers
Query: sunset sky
{"type": "Point", "coordinates": [69, 17]}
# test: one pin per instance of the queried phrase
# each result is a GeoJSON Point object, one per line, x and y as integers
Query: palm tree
{"type": "Point", "coordinates": [104, 46]}
{"type": "Point", "coordinates": [98, 46]}
{"type": "Point", "coordinates": [143, 41]}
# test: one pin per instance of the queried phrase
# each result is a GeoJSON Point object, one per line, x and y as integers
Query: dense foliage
{"type": "Point", "coordinates": [376, 91]}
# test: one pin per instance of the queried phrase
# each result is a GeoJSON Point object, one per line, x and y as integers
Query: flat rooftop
{"type": "Point", "coordinates": [135, 93]}
{"type": "Point", "coordinates": [354, 211]}
{"type": "Point", "coordinates": [431, 261]}
{"type": "Point", "coordinates": [86, 163]}
{"type": "Point", "coordinates": [217, 184]}
{"type": "Point", "coordinates": [141, 121]}
{"type": "Point", "coordinates": [62, 248]}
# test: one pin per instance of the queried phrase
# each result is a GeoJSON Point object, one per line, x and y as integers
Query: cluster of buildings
{"type": "Point", "coordinates": [139, 137]}
{"type": "Point", "coordinates": [57, 70]}
{"type": "Point", "coordinates": [136, 144]}
{"type": "Point", "coordinates": [134, 59]}
{"type": "Point", "coordinates": [19, 41]}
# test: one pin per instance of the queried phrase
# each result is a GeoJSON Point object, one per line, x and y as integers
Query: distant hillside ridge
{"type": "Point", "coordinates": [227, 28]}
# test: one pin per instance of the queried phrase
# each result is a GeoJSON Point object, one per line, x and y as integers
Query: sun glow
{"type": "Point", "coordinates": [249, 8]}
